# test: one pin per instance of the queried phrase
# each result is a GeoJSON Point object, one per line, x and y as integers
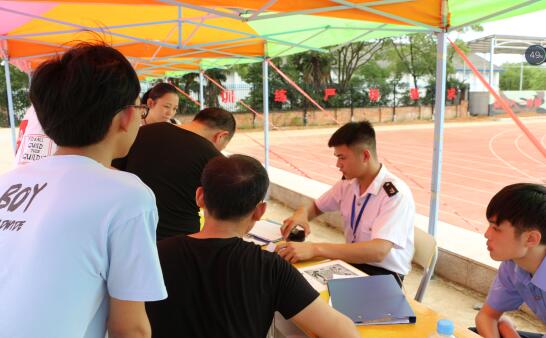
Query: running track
{"type": "Point", "coordinates": [479, 159]}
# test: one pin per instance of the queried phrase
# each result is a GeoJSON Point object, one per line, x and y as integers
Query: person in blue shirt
{"type": "Point", "coordinates": [517, 237]}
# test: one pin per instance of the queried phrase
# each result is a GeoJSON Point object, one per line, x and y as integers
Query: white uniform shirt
{"type": "Point", "coordinates": [384, 217]}
{"type": "Point", "coordinates": [73, 233]}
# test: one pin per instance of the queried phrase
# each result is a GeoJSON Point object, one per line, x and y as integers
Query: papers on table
{"type": "Point", "coordinates": [264, 232]}
{"type": "Point", "coordinates": [318, 275]}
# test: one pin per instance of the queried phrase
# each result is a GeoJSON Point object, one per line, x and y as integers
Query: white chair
{"type": "Point", "coordinates": [425, 255]}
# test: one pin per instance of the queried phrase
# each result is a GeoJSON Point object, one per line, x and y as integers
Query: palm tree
{"type": "Point", "coordinates": [315, 68]}
{"type": "Point", "coordinates": [211, 90]}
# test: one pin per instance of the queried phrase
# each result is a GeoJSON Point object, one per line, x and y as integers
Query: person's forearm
{"type": "Point", "coordinates": [506, 329]}
{"type": "Point", "coordinates": [137, 333]}
{"type": "Point", "coordinates": [143, 330]}
{"type": "Point", "coordinates": [365, 252]}
{"type": "Point", "coordinates": [343, 327]}
{"type": "Point", "coordinates": [487, 326]}
{"type": "Point", "coordinates": [308, 211]}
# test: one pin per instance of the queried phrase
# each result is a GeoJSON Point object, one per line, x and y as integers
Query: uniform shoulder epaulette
{"type": "Point", "coordinates": [390, 189]}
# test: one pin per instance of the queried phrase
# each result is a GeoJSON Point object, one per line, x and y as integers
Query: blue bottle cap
{"type": "Point", "coordinates": [445, 327]}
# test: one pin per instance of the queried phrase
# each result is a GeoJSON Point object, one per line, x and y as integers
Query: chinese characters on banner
{"type": "Point", "coordinates": [329, 92]}
{"type": "Point", "coordinates": [280, 95]}
{"type": "Point", "coordinates": [374, 95]}
{"type": "Point", "coordinates": [452, 93]}
{"type": "Point", "coordinates": [228, 96]}
{"type": "Point", "coordinates": [534, 103]}
{"type": "Point", "coordinates": [414, 94]}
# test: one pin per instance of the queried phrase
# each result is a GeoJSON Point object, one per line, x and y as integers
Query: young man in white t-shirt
{"type": "Point", "coordinates": [77, 239]}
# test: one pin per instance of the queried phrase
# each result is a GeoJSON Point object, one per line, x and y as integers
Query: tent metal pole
{"type": "Point", "coordinates": [491, 68]}
{"type": "Point", "coordinates": [88, 28]}
{"type": "Point", "coordinates": [368, 8]}
{"type": "Point", "coordinates": [439, 109]}
{"type": "Point", "coordinates": [10, 104]}
{"type": "Point", "coordinates": [265, 90]}
{"type": "Point", "coordinates": [521, 75]}
{"type": "Point", "coordinates": [69, 31]}
{"type": "Point", "coordinates": [201, 96]}
{"type": "Point", "coordinates": [179, 24]}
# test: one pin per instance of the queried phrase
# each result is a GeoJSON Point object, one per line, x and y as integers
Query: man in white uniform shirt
{"type": "Point", "coordinates": [377, 208]}
{"type": "Point", "coordinates": [77, 239]}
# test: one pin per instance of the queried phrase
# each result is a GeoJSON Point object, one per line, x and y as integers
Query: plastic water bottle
{"type": "Point", "coordinates": [444, 329]}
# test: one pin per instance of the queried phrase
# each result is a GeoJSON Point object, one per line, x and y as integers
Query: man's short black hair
{"type": "Point", "coordinates": [77, 95]}
{"type": "Point", "coordinates": [217, 118]}
{"type": "Point", "coordinates": [355, 134]}
{"type": "Point", "coordinates": [233, 186]}
{"type": "Point", "coordinates": [521, 204]}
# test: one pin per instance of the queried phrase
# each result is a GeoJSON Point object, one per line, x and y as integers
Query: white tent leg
{"type": "Point", "coordinates": [439, 110]}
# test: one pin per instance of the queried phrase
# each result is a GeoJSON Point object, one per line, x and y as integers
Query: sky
{"type": "Point", "coordinates": [533, 24]}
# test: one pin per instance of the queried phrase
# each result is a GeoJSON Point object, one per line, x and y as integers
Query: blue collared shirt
{"type": "Point", "coordinates": [514, 286]}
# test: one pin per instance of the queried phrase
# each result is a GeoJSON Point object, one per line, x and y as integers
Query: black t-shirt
{"type": "Point", "coordinates": [224, 287]}
{"type": "Point", "coordinates": [170, 161]}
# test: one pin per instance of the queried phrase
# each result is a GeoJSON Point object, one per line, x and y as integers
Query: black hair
{"type": "Point", "coordinates": [354, 134]}
{"type": "Point", "coordinates": [521, 204]}
{"type": "Point", "coordinates": [77, 95]}
{"type": "Point", "coordinates": [158, 91]}
{"type": "Point", "coordinates": [217, 118]}
{"type": "Point", "coordinates": [233, 186]}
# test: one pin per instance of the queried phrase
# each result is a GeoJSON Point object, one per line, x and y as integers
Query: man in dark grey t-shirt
{"type": "Point", "coordinates": [170, 159]}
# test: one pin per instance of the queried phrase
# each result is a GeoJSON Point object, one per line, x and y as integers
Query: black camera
{"type": "Point", "coordinates": [297, 234]}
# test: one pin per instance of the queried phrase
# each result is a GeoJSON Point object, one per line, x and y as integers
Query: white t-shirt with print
{"type": "Point", "coordinates": [73, 233]}
{"type": "Point", "coordinates": [32, 143]}
{"type": "Point", "coordinates": [383, 217]}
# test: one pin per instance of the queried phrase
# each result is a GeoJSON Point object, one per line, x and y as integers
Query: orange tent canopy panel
{"type": "Point", "coordinates": [424, 11]}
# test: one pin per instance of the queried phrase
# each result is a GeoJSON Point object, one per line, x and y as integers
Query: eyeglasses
{"type": "Point", "coordinates": [144, 109]}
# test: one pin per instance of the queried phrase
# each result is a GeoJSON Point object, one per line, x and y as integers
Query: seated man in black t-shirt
{"type": "Point", "coordinates": [222, 286]}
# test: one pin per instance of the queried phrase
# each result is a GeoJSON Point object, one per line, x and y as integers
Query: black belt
{"type": "Point", "coordinates": [375, 270]}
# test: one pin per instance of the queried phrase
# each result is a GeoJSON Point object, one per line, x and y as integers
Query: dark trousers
{"type": "Point", "coordinates": [522, 334]}
{"type": "Point", "coordinates": [375, 270]}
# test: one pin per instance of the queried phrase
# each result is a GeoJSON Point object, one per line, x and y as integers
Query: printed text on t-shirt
{"type": "Point", "coordinates": [15, 197]}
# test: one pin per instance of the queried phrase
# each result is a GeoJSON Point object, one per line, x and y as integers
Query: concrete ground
{"type": "Point", "coordinates": [450, 299]}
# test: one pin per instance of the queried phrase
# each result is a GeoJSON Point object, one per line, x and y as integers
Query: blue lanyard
{"type": "Point", "coordinates": [354, 226]}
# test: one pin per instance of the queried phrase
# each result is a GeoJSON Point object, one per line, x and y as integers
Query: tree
{"type": "Point", "coordinates": [252, 73]}
{"type": "Point", "coordinates": [348, 58]}
{"type": "Point", "coordinates": [534, 78]}
{"type": "Point", "coordinates": [19, 86]}
{"type": "Point", "coordinates": [376, 76]}
{"type": "Point", "coordinates": [315, 68]}
{"type": "Point", "coordinates": [188, 84]}
{"type": "Point", "coordinates": [211, 90]}
{"type": "Point", "coordinates": [415, 55]}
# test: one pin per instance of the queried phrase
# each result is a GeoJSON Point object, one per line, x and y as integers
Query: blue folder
{"type": "Point", "coordinates": [371, 300]}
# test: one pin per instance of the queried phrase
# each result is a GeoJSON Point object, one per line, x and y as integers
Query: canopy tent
{"type": "Point", "coordinates": [162, 38]}
{"type": "Point", "coordinates": [436, 15]}
{"type": "Point", "coordinates": [164, 35]}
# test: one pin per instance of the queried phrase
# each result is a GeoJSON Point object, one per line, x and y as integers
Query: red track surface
{"type": "Point", "coordinates": [479, 159]}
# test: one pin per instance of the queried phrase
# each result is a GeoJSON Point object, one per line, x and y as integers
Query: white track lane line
{"type": "Point", "coordinates": [516, 142]}
{"type": "Point", "coordinates": [449, 161]}
{"type": "Point", "coordinates": [491, 141]}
